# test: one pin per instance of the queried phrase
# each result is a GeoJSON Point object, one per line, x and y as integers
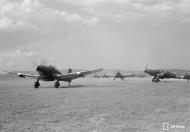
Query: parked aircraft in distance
{"type": "Point", "coordinates": [101, 76]}
{"type": "Point", "coordinates": [119, 75]}
{"type": "Point", "coordinates": [162, 74]}
{"type": "Point", "coordinates": [51, 73]}
{"type": "Point", "coordinates": [105, 76]}
{"type": "Point", "coordinates": [187, 76]}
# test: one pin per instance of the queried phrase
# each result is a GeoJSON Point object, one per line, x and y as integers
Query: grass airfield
{"type": "Point", "coordinates": [94, 105]}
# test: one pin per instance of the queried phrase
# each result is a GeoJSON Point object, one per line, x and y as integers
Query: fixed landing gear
{"type": "Point", "coordinates": [57, 84]}
{"type": "Point", "coordinates": [36, 84]}
{"type": "Point", "coordinates": [69, 83]}
{"type": "Point", "coordinates": [156, 78]}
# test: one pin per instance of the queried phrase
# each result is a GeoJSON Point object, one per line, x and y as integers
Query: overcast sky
{"type": "Point", "coordinates": [88, 34]}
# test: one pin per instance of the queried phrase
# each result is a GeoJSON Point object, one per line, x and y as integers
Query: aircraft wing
{"type": "Point", "coordinates": [108, 76]}
{"type": "Point", "coordinates": [84, 73]}
{"type": "Point", "coordinates": [130, 75]}
{"type": "Point", "coordinates": [23, 75]}
{"type": "Point", "coordinates": [74, 75]}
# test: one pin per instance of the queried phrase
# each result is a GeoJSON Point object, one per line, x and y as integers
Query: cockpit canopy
{"type": "Point", "coordinates": [53, 67]}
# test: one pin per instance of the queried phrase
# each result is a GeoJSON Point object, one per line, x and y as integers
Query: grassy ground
{"type": "Point", "coordinates": [96, 105]}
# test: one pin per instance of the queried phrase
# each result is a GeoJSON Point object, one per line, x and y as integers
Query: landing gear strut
{"type": "Point", "coordinates": [37, 84]}
{"type": "Point", "coordinates": [69, 83]}
{"type": "Point", "coordinates": [57, 84]}
{"type": "Point", "coordinates": [156, 78]}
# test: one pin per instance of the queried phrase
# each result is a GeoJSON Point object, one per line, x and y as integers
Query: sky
{"type": "Point", "coordinates": [89, 34]}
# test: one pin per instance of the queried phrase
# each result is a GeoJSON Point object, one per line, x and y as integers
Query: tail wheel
{"type": "Point", "coordinates": [57, 84]}
{"type": "Point", "coordinates": [36, 85]}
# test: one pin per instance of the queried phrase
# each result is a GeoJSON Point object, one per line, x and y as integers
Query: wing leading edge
{"type": "Point", "coordinates": [71, 76]}
{"type": "Point", "coordinates": [23, 75]}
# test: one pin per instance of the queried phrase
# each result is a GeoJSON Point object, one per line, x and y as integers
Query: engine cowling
{"type": "Point", "coordinates": [80, 74]}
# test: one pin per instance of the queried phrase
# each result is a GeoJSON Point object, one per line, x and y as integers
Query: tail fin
{"type": "Point", "coordinates": [70, 70]}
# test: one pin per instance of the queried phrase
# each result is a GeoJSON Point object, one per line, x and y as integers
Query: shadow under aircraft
{"type": "Point", "coordinates": [166, 74]}
{"type": "Point", "coordinates": [51, 73]}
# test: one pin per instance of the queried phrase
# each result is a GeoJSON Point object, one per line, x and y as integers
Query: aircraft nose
{"type": "Point", "coordinates": [37, 68]}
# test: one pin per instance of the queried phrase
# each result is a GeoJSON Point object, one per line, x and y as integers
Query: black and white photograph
{"type": "Point", "coordinates": [94, 65]}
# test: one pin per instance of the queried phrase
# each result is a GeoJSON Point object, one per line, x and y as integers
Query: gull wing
{"type": "Point", "coordinates": [129, 75]}
{"type": "Point", "coordinates": [23, 75]}
{"type": "Point", "coordinates": [74, 75]}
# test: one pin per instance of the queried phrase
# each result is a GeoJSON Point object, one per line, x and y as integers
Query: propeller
{"type": "Point", "coordinates": [40, 61]}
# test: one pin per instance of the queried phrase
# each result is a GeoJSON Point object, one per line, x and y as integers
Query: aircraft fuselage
{"type": "Point", "coordinates": [160, 74]}
{"type": "Point", "coordinates": [47, 73]}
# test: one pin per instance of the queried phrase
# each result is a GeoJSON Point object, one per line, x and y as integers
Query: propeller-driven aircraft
{"type": "Point", "coordinates": [51, 73]}
{"type": "Point", "coordinates": [161, 74]}
{"type": "Point", "coordinates": [187, 76]}
{"type": "Point", "coordinates": [119, 75]}
{"type": "Point", "coordinates": [104, 76]}
{"type": "Point", "coordinates": [96, 76]}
